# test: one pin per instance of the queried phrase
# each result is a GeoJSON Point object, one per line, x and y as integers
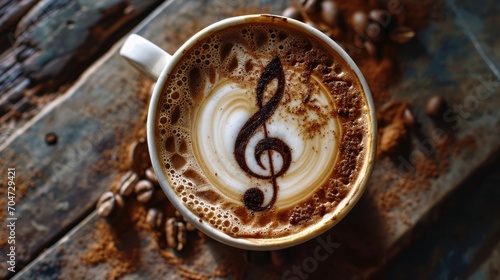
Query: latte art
{"type": "Point", "coordinates": [261, 129]}
{"type": "Point", "coordinates": [224, 113]}
{"type": "Point", "coordinates": [254, 197]}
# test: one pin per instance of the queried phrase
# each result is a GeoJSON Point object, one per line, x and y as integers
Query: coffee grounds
{"type": "Point", "coordinates": [24, 182]}
{"type": "Point", "coordinates": [122, 259]}
{"type": "Point", "coordinates": [118, 243]}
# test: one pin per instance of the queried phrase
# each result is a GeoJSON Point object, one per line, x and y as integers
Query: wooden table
{"type": "Point", "coordinates": [103, 113]}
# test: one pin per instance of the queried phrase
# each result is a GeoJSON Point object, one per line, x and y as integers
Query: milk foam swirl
{"type": "Point", "coordinates": [222, 115]}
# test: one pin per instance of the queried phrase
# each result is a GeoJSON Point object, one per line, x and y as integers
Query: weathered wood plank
{"type": "Point", "coordinates": [52, 44]}
{"type": "Point", "coordinates": [137, 254]}
{"type": "Point", "coordinates": [489, 269]}
{"type": "Point", "coordinates": [459, 239]}
{"type": "Point", "coordinates": [478, 22]}
{"type": "Point", "coordinates": [11, 12]}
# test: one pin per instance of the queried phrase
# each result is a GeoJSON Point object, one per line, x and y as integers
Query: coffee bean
{"type": "Point", "coordinates": [402, 34]}
{"type": "Point", "coordinates": [359, 21]}
{"type": "Point", "coordinates": [144, 191]}
{"type": "Point", "coordinates": [435, 107]}
{"type": "Point", "coordinates": [181, 236]}
{"type": "Point", "coordinates": [329, 12]}
{"type": "Point", "coordinates": [382, 17]}
{"type": "Point", "coordinates": [171, 233]}
{"type": "Point", "coordinates": [127, 183]}
{"type": "Point", "coordinates": [374, 31]}
{"type": "Point", "coordinates": [292, 12]}
{"type": "Point", "coordinates": [151, 176]}
{"type": "Point", "coordinates": [408, 118]}
{"type": "Point", "coordinates": [106, 204]}
{"type": "Point", "coordinates": [140, 157]}
{"type": "Point", "coordinates": [311, 6]}
{"type": "Point", "coordinates": [371, 48]}
{"type": "Point", "coordinates": [120, 203]}
{"type": "Point", "coordinates": [155, 218]}
{"type": "Point", "coordinates": [51, 138]}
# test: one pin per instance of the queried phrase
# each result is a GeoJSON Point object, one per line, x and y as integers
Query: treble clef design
{"type": "Point", "coordinates": [254, 197]}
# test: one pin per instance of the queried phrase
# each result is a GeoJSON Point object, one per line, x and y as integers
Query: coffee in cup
{"type": "Point", "coordinates": [263, 130]}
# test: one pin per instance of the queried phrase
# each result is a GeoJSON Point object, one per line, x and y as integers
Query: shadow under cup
{"type": "Point", "coordinates": [262, 132]}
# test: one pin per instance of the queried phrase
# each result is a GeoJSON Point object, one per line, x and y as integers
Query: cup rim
{"type": "Point", "coordinates": [273, 243]}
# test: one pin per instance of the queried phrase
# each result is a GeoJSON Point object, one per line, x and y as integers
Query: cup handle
{"type": "Point", "coordinates": [144, 55]}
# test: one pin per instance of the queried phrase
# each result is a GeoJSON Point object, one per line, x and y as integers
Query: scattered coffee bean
{"type": "Point", "coordinates": [144, 191]}
{"type": "Point", "coordinates": [120, 203]}
{"type": "Point", "coordinates": [151, 176]}
{"type": "Point", "coordinates": [179, 217]}
{"type": "Point", "coordinates": [257, 257]}
{"type": "Point", "coordinates": [311, 6]}
{"type": "Point", "coordinates": [181, 236]}
{"type": "Point", "coordinates": [51, 138]}
{"type": "Point", "coordinates": [359, 21]}
{"type": "Point", "coordinates": [155, 218]}
{"type": "Point", "coordinates": [106, 204]}
{"type": "Point", "coordinates": [127, 183]}
{"type": "Point", "coordinates": [382, 17]}
{"type": "Point", "coordinates": [171, 233]}
{"type": "Point", "coordinates": [371, 48]}
{"type": "Point", "coordinates": [435, 107]}
{"type": "Point", "coordinates": [374, 31]}
{"type": "Point", "coordinates": [292, 12]}
{"type": "Point", "coordinates": [402, 34]}
{"type": "Point", "coordinates": [329, 12]}
{"type": "Point", "coordinates": [140, 157]}
{"type": "Point", "coordinates": [408, 118]}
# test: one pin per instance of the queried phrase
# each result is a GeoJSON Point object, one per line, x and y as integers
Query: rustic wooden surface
{"type": "Point", "coordinates": [51, 45]}
{"type": "Point", "coordinates": [453, 57]}
{"type": "Point", "coordinates": [464, 236]}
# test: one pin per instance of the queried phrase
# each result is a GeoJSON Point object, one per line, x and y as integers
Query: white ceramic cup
{"type": "Point", "coordinates": [157, 64]}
